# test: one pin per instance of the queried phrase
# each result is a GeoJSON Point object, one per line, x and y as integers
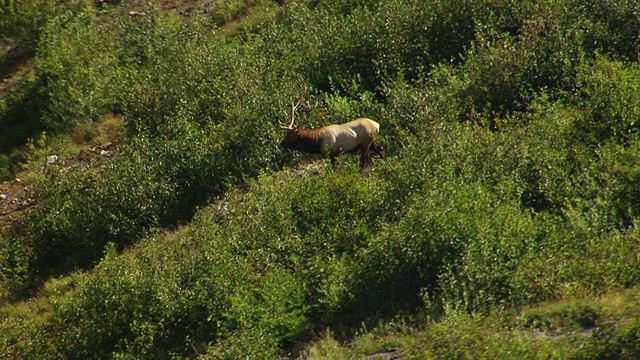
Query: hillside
{"type": "Point", "coordinates": [500, 222]}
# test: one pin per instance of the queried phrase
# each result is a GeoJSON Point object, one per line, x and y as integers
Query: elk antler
{"type": "Point", "coordinates": [308, 108]}
{"type": "Point", "coordinates": [293, 115]}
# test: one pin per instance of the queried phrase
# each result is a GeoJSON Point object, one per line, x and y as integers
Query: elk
{"type": "Point", "coordinates": [333, 140]}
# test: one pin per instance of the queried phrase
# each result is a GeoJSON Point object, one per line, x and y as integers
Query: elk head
{"type": "Point", "coordinates": [293, 132]}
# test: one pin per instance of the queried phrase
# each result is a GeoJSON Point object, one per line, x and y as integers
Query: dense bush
{"type": "Point", "coordinates": [186, 123]}
{"type": "Point", "coordinates": [22, 21]}
{"type": "Point", "coordinates": [609, 98]}
{"type": "Point", "coordinates": [510, 176]}
{"type": "Point", "coordinates": [24, 26]}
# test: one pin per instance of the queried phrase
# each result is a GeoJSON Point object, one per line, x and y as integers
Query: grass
{"type": "Point", "coordinates": [249, 18]}
{"type": "Point", "coordinates": [557, 330]}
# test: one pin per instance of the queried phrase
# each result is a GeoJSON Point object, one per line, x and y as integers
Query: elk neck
{"type": "Point", "coordinates": [310, 141]}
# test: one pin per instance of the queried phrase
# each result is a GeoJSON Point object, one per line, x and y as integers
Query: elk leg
{"type": "Point", "coordinates": [364, 150]}
{"type": "Point", "coordinates": [377, 149]}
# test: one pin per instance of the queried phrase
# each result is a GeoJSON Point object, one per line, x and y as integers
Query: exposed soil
{"type": "Point", "coordinates": [15, 201]}
{"type": "Point", "coordinates": [18, 197]}
{"type": "Point", "coordinates": [391, 354]}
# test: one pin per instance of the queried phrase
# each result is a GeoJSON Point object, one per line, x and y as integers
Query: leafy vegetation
{"type": "Point", "coordinates": [510, 179]}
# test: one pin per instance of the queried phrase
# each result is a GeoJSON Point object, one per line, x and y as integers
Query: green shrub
{"type": "Point", "coordinates": [615, 183]}
{"type": "Point", "coordinates": [431, 33]}
{"type": "Point", "coordinates": [612, 28]}
{"type": "Point", "coordinates": [272, 306]}
{"type": "Point", "coordinates": [185, 124]}
{"type": "Point", "coordinates": [77, 70]}
{"type": "Point", "coordinates": [152, 184]}
{"type": "Point", "coordinates": [15, 275]}
{"type": "Point", "coordinates": [510, 178]}
{"type": "Point", "coordinates": [388, 275]}
{"type": "Point", "coordinates": [23, 21]}
{"type": "Point", "coordinates": [610, 96]}
{"type": "Point", "coordinates": [112, 312]}
{"type": "Point", "coordinates": [20, 113]}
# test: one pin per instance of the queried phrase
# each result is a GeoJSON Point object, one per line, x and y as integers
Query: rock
{"type": "Point", "coordinates": [52, 159]}
{"type": "Point", "coordinates": [106, 146]}
{"type": "Point", "coordinates": [223, 208]}
{"type": "Point", "coordinates": [3, 196]}
{"type": "Point", "coordinates": [187, 10]}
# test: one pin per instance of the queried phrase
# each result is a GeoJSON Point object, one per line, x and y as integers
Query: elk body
{"type": "Point", "coordinates": [333, 140]}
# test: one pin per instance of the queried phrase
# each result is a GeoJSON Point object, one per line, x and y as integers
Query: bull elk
{"type": "Point", "coordinates": [333, 140]}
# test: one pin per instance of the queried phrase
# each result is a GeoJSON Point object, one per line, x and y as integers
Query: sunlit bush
{"type": "Point", "coordinates": [510, 175]}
